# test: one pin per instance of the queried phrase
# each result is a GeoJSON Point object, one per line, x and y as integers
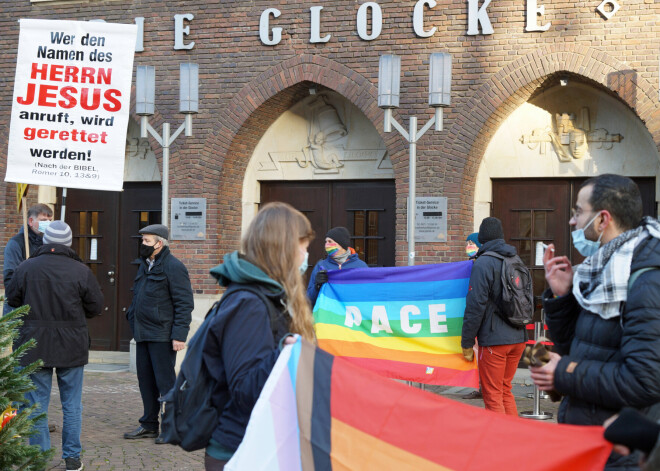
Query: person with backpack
{"type": "Point", "coordinates": [340, 257]}
{"type": "Point", "coordinates": [245, 335]}
{"type": "Point", "coordinates": [604, 314]}
{"type": "Point", "coordinates": [501, 343]}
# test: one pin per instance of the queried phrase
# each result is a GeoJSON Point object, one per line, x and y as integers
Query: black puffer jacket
{"type": "Point", "coordinates": [608, 364]}
{"type": "Point", "coordinates": [161, 309]}
{"type": "Point", "coordinates": [482, 318]}
{"type": "Point", "coordinates": [61, 292]}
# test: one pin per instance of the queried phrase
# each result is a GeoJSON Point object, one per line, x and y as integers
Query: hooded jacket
{"type": "Point", "coordinates": [161, 309]}
{"type": "Point", "coordinates": [242, 345]}
{"type": "Point", "coordinates": [607, 364]}
{"type": "Point", "coordinates": [61, 291]}
{"type": "Point", "coordinates": [482, 318]}
{"type": "Point", "coordinates": [329, 264]}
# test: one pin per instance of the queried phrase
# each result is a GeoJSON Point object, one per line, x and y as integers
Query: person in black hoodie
{"type": "Point", "coordinates": [242, 344]}
{"type": "Point", "coordinates": [604, 314]}
{"type": "Point", "coordinates": [500, 344]}
{"type": "Point", "coordinates": [61, 291]}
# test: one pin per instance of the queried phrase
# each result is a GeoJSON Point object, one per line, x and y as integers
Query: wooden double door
{"type": "Point", "coordinates": [366, 208]}
{"type": "Point", "coordinates": [105, 229]}
{"type": "Point", "coordinates": [538, 210]}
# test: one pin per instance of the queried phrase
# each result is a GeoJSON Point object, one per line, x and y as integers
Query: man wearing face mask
{"type": "Point", "coordinates": [604, 315]}
{"type": "Point", "coordinates": [159, 316]}
{"type": "Point", "coordinates": [340, 257]}
{"type": "Point", "coordinates": [39, 216]}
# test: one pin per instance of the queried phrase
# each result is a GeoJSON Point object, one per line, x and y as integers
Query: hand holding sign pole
{"type": "Point", "coordinates": [145, 84]}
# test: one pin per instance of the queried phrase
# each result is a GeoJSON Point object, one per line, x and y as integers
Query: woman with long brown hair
{"type": "Point", "coordinates": [266, 299]}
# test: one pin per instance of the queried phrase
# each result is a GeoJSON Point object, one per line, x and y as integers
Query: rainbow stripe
{"type": "Point", "coordinates": [322, 413]}
{"type": "Point", "coordinates": [402, 322]}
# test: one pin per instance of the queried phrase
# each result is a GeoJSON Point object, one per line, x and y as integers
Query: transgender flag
{"type": "Point", "coordinates": [402, 322]}
{"type": "Point", "coordinates": [321, 413]}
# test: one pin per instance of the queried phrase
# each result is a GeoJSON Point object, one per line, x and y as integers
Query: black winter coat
{"type": "Point", "coordinates": [240, 352]}
{"type": "Point", "coordinates": [608, 364]}
{"type": "Point", "coordinates": [161, 309]}
{"type": "Point", "coordinates": [482, 318]}
{"type": "Point", "coordinates": [61, 291]}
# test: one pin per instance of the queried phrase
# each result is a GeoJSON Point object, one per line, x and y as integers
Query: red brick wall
{"type": "Point", "coordinates": [245, 86]}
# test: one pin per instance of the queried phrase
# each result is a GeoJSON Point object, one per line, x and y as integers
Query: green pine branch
{"type": "Point", "coordinates": [15, 453]}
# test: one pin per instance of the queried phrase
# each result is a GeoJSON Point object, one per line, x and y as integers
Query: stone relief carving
{"type": "Point", "coordinates": [140, 163]}
{"type": "Point", "coordinates": [330, 142]}
{"type": "Point", "coordinates": [325, 129]}
{"type": "Point", "coordinates": [571, 136]}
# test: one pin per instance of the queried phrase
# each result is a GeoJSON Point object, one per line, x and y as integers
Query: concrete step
{"type": "Point", "coordinates": [111, 358]}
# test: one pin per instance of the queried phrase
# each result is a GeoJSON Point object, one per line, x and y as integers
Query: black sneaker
{"type": "Point", "coordinates": [473, 395]}
{"type": "Point", "coordinates": [73, 464]}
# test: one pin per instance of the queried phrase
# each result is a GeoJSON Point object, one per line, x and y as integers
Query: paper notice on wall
{"type": "Point", "coordinates": [71, 103]}
{"type": "Point", "coordinates": [93, 249]}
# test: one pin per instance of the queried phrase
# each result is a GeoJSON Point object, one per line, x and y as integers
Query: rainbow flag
{"type": "Point", "coordinates": [322, 413]}
{"type": "Point", "coordinates": [402, 322]}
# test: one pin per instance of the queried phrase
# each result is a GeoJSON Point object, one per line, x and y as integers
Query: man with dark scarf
{"type": "Point", "coordinates": [604, 315]}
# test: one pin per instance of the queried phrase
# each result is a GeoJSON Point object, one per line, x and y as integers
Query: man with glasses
{"type": "Point", "coordinates": [604, 314]}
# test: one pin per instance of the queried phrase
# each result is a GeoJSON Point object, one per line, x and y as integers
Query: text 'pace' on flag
{"type": "Point", "coordinates": [401, 322]}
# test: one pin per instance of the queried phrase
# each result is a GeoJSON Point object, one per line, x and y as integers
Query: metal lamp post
{"type": "Point", "coordinates": [389, 73]}
{"type": "Point", "coordinates": [145, 84]}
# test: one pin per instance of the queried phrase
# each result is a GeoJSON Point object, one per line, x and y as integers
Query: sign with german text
{"type": "Point", "coordinates": [188, 220]}
{"type": "Point", "coordinates": [431, 219]}
{"type": "Point", "coordinates": [71, 104]}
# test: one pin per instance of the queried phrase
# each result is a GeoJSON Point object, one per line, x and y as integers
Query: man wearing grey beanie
{"type": "Point", "coordinates": [61, 291]}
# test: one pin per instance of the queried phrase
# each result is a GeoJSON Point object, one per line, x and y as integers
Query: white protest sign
{"type": "Point", "coordinates": [71, 104]}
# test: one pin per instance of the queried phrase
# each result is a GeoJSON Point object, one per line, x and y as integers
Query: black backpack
{"type": "Point", "coordinates": [516, 305]}
{"type": "Point", "coordinates": [189, 416]}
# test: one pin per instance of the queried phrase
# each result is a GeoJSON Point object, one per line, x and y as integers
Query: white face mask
{"type": "Point", "coordinates": [304, 265]}
{"type": "Point", "coordinates": [583, 245]}
{"type": "Point", "coordinates": [43, 225]}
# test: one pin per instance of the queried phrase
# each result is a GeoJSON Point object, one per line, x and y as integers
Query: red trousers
{"type": "Point", "coordinates": [497, 366]}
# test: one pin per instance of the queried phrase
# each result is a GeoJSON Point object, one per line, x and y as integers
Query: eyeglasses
{"type": "Point", "coordinates": [576, 213]}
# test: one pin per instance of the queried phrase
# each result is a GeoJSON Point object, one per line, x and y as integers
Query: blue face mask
{"type": "Point", "coordinates": [43, 225]}
{"type": "Point", "coordinates": [304, 265]}
{"type": "Point", "coordinates": [583, 245]}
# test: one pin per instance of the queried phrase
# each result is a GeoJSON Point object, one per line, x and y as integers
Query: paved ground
{"type": "Point", "coordinates": [112, 406]}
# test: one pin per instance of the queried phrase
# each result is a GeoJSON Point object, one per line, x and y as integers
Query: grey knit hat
{"type": "Point", "coordinates": [58, 232]}
{"type": "Point", "coordinates": [490, 229]}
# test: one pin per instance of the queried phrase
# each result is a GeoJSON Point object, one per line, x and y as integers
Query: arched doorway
{"type": "Point", "coordinates": [545, 149]}
{"type": "Point", "coordinates": [326, 158]}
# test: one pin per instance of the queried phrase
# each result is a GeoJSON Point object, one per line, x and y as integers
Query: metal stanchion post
{"type": "Point", "coordinates": [536, 413]}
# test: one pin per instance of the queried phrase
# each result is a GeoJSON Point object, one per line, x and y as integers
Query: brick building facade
{"type": "Point", "coordinates": [246, 85]}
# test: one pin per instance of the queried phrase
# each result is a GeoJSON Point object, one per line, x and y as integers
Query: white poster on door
{"type": "Point", "coordinates": [71, 104]}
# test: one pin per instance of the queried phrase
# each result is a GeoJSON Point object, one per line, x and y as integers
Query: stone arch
{"type": "Point", "coordinates": [254, 109]}
{"type": "Point", "coordinates": [515, 83]}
